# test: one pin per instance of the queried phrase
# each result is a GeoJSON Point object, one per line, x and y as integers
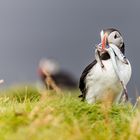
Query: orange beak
{"type": "Point", "coordinates": [104, 41]}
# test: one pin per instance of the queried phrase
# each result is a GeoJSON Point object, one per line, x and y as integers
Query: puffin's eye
{"type": "Point", "coordinates": [115, 36]}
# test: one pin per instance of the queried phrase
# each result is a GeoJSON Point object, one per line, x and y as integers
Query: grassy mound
{"type": "Point", "coordinates": [26, 115]}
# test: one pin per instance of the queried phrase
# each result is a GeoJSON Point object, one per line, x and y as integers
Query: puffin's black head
{"type": "Point", "coordinates": [112, 36]}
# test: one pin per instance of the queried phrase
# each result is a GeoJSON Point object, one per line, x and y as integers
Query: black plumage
{"type": "Point", "coordinates": [82, 79]}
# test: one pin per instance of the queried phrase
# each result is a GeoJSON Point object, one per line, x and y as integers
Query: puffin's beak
{"type": "Point", "coordinates": [104, 41]}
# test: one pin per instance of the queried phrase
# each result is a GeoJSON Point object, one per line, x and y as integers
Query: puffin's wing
{"type": "Point", "coordinates": [82, 84]}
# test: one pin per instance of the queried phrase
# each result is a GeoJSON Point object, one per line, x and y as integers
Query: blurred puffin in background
{"type": "Point", "coordinates": [105, 79]}
{"type": "Point", "coordinates": [62, 78]}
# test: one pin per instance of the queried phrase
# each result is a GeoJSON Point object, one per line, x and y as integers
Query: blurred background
{"type": "Point", "coordinates": [64, 30]}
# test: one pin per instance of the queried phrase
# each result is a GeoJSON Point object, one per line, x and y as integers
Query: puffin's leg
{"type": "Point", "coordinates": [98, 57]}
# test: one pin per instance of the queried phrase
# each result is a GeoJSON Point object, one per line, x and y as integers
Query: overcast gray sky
{"type": "Point", "coordinates": [64, 30]}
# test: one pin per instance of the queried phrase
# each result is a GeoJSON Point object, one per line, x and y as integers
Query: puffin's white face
{"type": "Point", "coordinates": [113, 38]}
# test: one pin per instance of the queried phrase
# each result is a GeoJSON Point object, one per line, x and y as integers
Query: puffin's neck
{"type": "Point", "coordinates": [105, 56]}
{"type": "Point", "coordinates": [123, 49]}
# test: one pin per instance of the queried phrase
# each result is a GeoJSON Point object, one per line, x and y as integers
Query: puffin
{"type": "Point", "coordinates": [62, 78]}
{"type": "Point", "coordinates": [105, 79]}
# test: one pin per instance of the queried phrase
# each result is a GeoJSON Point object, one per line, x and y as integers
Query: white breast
{"type": "Point", "coordinates": [103, 83]}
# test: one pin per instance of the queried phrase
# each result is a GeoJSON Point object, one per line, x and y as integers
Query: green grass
{"type": "Point", "coordinates": [27, 115]}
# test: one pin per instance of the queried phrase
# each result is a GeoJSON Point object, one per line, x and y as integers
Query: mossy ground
{"type": "Point", "coordinates": [27, 115]}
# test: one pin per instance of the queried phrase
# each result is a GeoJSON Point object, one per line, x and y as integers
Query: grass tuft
{"type": "Point", "coordinates": [25, 115]}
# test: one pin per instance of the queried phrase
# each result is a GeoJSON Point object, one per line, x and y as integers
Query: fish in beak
{"type": "Point", "coordinates": [114, 63]}
{"type": "Point", "coordinates": [119, 54]}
